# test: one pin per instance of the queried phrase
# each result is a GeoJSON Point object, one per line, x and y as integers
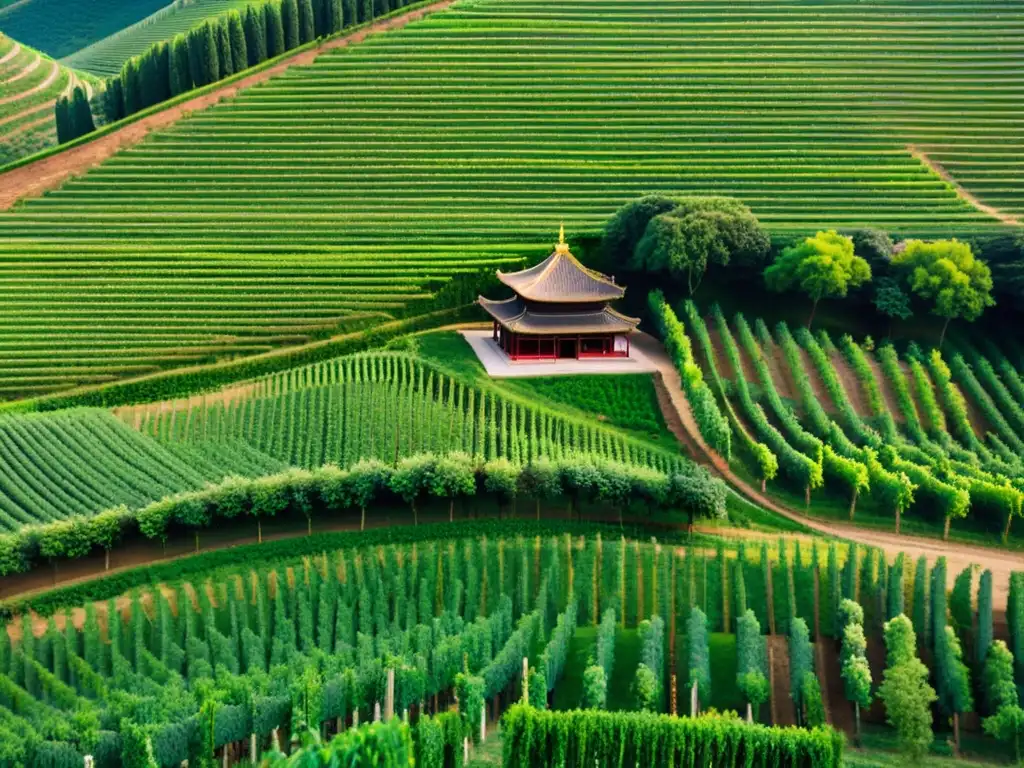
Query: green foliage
{"type": "Point", "coordinates": [644, 689]}
{"type": "Point", "coordinates": [983, 638]}
{"type": "Point", "coordinates": [946, 273]}
{"type": "Point", "coordinates": [823, 266]}
{"type": "Point", "coordinates": [699, 661]}
{"type": "Point", "coordinates": [697, 232]}
{"type": "Point", "coordinates": [952, 678]}
{"type": "Point", "coordinates": [595, 688]}
{"type": "Point", "coordinates": [891, 300]}
{"type": "Point", "coordinates": [751, 661]}
{"type": "Point", "coordinates": [536, 739]}
{"type": "Point", "coordinates": [712, 424]}
{"type": "Point", "coordinates": [905, 690]}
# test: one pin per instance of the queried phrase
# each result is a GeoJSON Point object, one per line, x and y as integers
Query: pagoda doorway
{"type": "Point", "coordinates": [568, 348]}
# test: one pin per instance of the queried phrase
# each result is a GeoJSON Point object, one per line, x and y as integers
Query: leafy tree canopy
{"type": "Point", "coordinates": [946, 273]}
{"type": "Point", "coordinates": [823, 266]}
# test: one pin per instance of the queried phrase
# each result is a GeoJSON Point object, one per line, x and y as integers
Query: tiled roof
{"type": "Point", "coordinates": [514, 315]}
{"type": "Point", "coordinates": [561, 278]}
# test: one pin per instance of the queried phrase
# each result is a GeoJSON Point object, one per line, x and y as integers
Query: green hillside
{"type": "Point", "coordinates": [61, 27]}
{"type": "Point", "coordinates": [484, 126]}
{"type": "Point", "coordinates": [30, 82]}
{"type": "Point", "coordinates": [105, 57]}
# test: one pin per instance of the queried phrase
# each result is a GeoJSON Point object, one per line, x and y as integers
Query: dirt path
{"type": "Point", "coordinates": [25, 71]}
{"type": "Point", "coordinates": [936, 167]}
{"type": "Point", "coordinates": [851, 384]}
{"type": "Point", "coordinates": [783, 711]}
{"type": "Point", "coordinates": [782, 377]}
{"type": "Point", "coordinates": [54, 72]}
{"type": "Point", "coordinates": [15, 50]}
{"type": "Point", "coordinates": [817, 385]}
{"type": "Point", "coordinates": [51, 171]}
{"type": "Point", "coordinates": [958, 556]}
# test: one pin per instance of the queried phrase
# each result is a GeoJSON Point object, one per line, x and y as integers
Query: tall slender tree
{"type": "Point", "coordinates": [290, 21]}
{"type": "Point", "coordinates": [239, 45]}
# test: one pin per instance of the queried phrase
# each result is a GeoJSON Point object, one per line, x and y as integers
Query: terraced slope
{"type": "Point", "coordinates": [83, 461]}
{"type": "Point", "coordinates": [30, 82]}
{"type": "Point", "coordinates": [61, 27]}
{"type": "Point", "coordinates": [105, 57]}
{"type": "Point", "coordinates": [493, 121]}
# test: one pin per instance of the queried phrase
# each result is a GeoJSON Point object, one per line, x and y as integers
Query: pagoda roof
{"type": "Point", "coordinates": [516, 316]}
{"type": "Point", "coordinates": [561, 278]}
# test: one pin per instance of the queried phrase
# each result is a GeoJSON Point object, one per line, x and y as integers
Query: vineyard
{"type": "Point", "coordinates": [105, 57]}
{"type": "Point", "coordinates": [231, 663]}
{"type": "Point", "coordinates": [462, 139]}
{"type": "Point", "coordinates": [931, 435]}
{"type": "Point", "coordinates": [30, 82]}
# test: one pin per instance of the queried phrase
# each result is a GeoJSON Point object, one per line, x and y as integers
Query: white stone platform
{"type": "Point", "coordinates": [500, 367]}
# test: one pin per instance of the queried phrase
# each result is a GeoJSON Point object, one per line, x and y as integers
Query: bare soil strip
{"type": "Point", "coordinates": [15, 50]}
{"type": "Point", "coordinates": [936, 167]}
{"type": "Point", "coordinates": [51, 171]}
{"type": "Point", "coordinates": [885, 386]}
{"type": "Point", "coordinates": [851, 384]}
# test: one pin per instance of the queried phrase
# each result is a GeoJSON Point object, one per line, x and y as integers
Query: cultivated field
{"type": "Point", "coordinates": [483, 127]}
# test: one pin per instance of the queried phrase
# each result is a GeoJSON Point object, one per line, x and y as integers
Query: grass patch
{"type": "Point", "coordinates": [627, 400]}
{"type": "Point", "coordinates": [627, 658]}
{"type": "Point", "coordinates": [724, 693]}
{"type": "Point", "coordinates": [569, 690]}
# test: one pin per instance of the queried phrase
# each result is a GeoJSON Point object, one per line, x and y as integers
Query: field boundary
{"type": "Point", "coordinates": [968, 197]}
{"type": "Point", "coordinates": [37, 174]}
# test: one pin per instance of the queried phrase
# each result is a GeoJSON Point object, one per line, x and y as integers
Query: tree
{"type": "Point", "coordinates": [595, 688]}
{"type": "Point", "coordinates": [625, 228]}
{"type": "Point", "coordinates": [751, 663]}
{"type": "Point", "coordinates": [822, 266]}
{"type": "Point", "coordinates": [892, 301]}
{"type": "Point", "coordinates": [62, 116]}
{"type": "Point", "coordinates": [801, 664]}
{"type": "Point", "coordinates": [454, 477]}
{"type": "Point", "coordinates": [350, 13]}
{"type": "Point", "coordinates": [179, 74]}
{"type": "Point", "coordinates": [540, 480]}
{"type": "Point", "coordinates": [920, 606]}
{"type": "Point", "coordinates": [307, 25]}
{"type": "Point", "coordinates": [985, 625]}
{"type": "Point", "coordinates": [290, 22]}
{"type": "Point", "coordinates": [211, 62]}
{"type": "Point", "coordinates": [1006, 721]}
{"type": "Point", "coordinates": [698, 494]}
{"type": "Point", "coordinates": [335, 20]}
{"type": "Point", "coordinates": [81, 114]}
{"type": "Point", "coordinates": [645, 689]}
{"type": "Point", "coordinates": [275, 29]}
{"type": "Point", "coordinates": [238, 44]}
{"type": "Point", "coordinates": [411, 479]}
{"type": "Point", "coordinates": [255, 35]}
{"type": "Point", "coordinates": [874, 246]}
{"type": "Point", "coordinates": [501, 479]}
{"type": "Point", "coordinates": [365, 10]}
{"type": "Point", "coordinates": [905, 690]}
{"type": "Point", "coordinates": [366, 480]}
{"type": "Point", "coordinates": [946, 273]}
{"type": "Point", "coordinates": [697, 232]}
{"type": "Point", "coordinates": [224, 55]}
{"type": "Point", "coordinates": [699, 662]}
{"type": "Point", "coordinates": [953, 681]}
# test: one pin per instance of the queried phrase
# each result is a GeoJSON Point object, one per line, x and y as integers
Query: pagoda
{"type": "Point", "coordinates": [560, 311]}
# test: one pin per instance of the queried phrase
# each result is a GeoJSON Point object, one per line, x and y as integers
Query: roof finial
{"type": "Point", "coordinates": [562, 246]}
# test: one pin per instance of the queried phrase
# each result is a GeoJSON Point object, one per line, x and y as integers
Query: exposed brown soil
{"type": "Point", "coordinates": [885, 386]}
{"type": "Point", "coordinates": [817, 385]}
{"type": "Point", "coordinates": [783, 710]}
{"type": "Point", "coordinates": [831, 678]}
{"type": "Point", "coordinates": [782, 377]}
{"type": "Point", "coordinates": [722, 361]}
{"type": "Point", "coordinates": [134, 414]}
{"type": "Point", "coordinates": [51, 171]}
{"type": "Point", "coordinates": [968, 197]}
{"type": "Point", "coordinates": [851, 384]}
{"type": "Point", "coordinates": [975, 416]}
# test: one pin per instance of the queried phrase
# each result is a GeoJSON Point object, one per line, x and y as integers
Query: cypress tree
{"type": "Point", "coordinates": [350, 16]}
{"type": "Point", "coordinates": [113, 99]}
{"type": "Point", "coordinates": [162, 66]}
{"type": "Point", "coordinates": [380, 7]}
{"type": "Point", "coordinates": [255, 35]}
{"type": "Point", "coordinates": [131, 77]}
{"type": "Point", "coordinates": [960, 608]}
{"type": "Point", "coordinates": [194, 44]}
{"type": "Point", "coordinates": [894, 594]}
{"type": "Point", "coordinates": [149, 78]}
{"type": "Point", "coordinates": [334, 17]}
{"type": "Point", "coordinates": [939, 603]}
{"type": "Point", "coordinates": [211, 59]}
{"type": "Point", "coordinates": [179, 70]}
{"type": "Point", "coordinates": [983, 640]}
{"type": "Point", "coordinates": [81, 115]}
{"type": "Point", "coordinates": [275, 29]}
{"type": "Point", "coordinates": [365, 10]}
{"type": "Point", "coordinates": [290, 22]}
{"type": "Point", "coordinates": [307, 21]}
{"type": "Point", "coordinates": [239, 47]}
{"type": "Point", "coordinates": [920, 606]}
{"type": "Point", "coordinates": [62, 116]}
{"type": "Point", "coordinates": [224, 55]}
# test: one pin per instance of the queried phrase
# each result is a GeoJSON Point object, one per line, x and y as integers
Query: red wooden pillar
{"type": "Point", "coordinates": [627, 345]}
{"type": "Point", "coordinates": [577, 346]}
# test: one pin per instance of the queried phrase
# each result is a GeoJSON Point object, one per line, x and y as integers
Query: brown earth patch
{"type": "Point", "coordinates": [51, 171]}
{"type": "Point", "coordinates": [885, 386]}
{"type": "Point", "coordinates": [783, 710]}
{"type": "Point", "coordinates": [817, 385]}
{"type": "Point", "coordinates": [851, 384]}
{"type": "Point", "coordinates": [975, 415]}
{"type": "Point", "coordinates": [782, 377]}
